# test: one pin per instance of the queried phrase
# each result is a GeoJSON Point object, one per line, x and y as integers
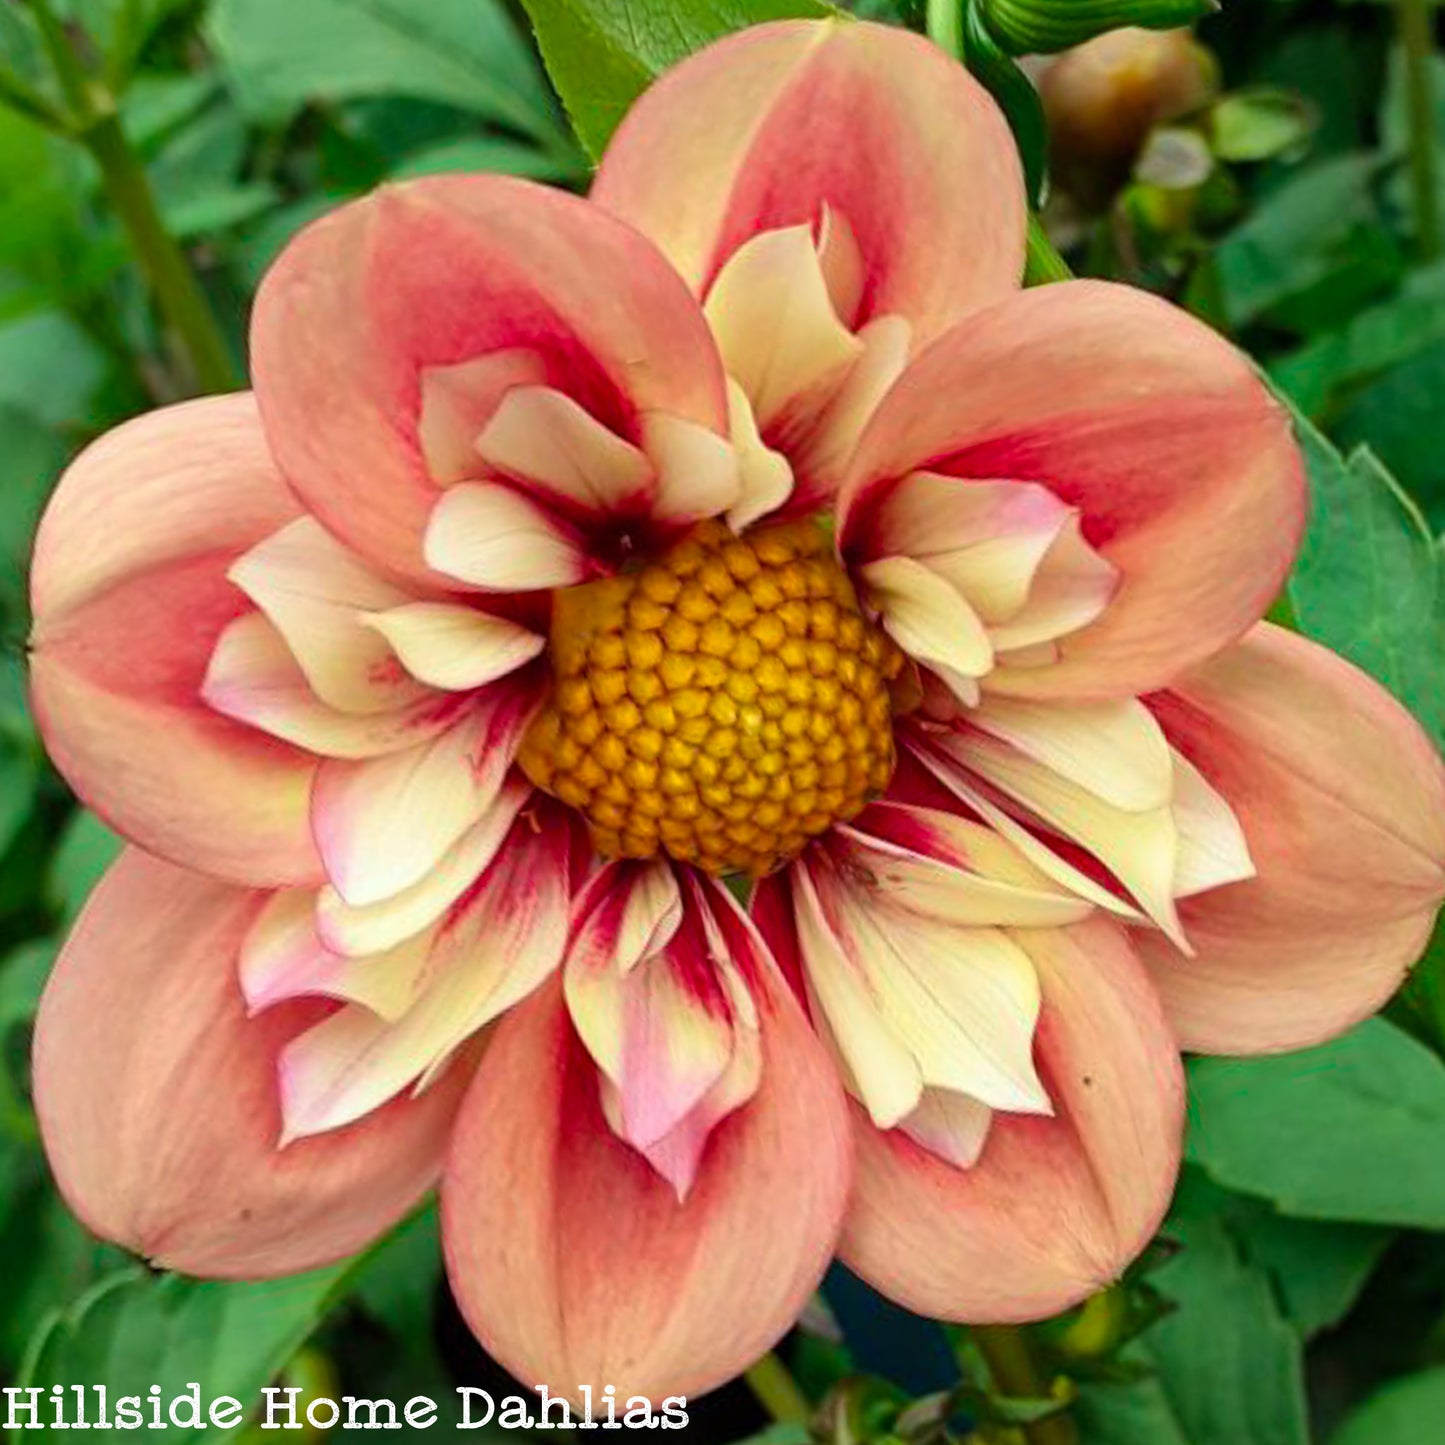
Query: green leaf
{"type": "Point", "coordinates": [1372, 343]}
{"type": "Point", "coordinates": [1367, 582]}
{"type": "Point", "coordinates": [1258, 124]}
{"type": "Point", "coordinates": [1227, 1366]}
{"type": "Point", "coordinates": [135, 1330]}
{"type": "Point", "coordinates": [279, 55]}
{"type": "Point", "coordinates": [602, 54]}
{"type": "Point", "coordinates": [1406, 1412]}
{"type": "Point", "coordinates": [86, 849]}
{"type": "Point", "coordinates": [31, 456]}
{"type": "Point", "coordinates": [1312, 251]}
{"type": "Point", "coordinates": [1347, 1131]}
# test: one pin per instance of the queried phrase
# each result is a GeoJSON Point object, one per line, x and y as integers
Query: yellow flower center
{"type": "Point", "coordinates": [723, 704]}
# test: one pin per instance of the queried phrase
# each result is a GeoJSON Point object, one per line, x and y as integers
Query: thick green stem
{"type": "Point", "coordinates": [777, 1391]}
{"type": "Point", "coordinates": [945, 26]}
{"type": "Point", "coordinates": [1011, 1363]}
{"type": "Point", "coordinates": [1417, 41]}
{"type": "Point", "coordinates": [95, 123]}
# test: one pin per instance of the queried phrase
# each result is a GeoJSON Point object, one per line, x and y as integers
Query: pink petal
{"type": "Point", "coordinates": [1183, 468]}
{"type": "Point", "coordinates": [852, 128]}
{"type": "Point", "coordinates": [129, 594]}
{"type": "Point", "coordinates": [439, 273]}
{"type": "Point", "coordinates": [1341, 797]}
{"type": "Point", "coordinates": [572, 1258]}
{"type": "Point", "coordinates": [1055, 1207]}
{"type": "Point", "coordinates": [158, 1100]}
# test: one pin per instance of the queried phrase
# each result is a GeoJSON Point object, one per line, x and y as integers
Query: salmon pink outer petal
{"type": "Point", "coordinates": [158, 1100]}
{"type": "Point", "coordinates": [129, 594]}
{"type": "Point", "coordinates": [569, 1253]}
{"type": "Point", "coordinates": [432, 277]}
{"type": "Point", "coordinates": [1341, 797]}
{"type": "Point", "coordinates": [793, 123]}
{"type": "Point", "coordinates": [1182, 466]}
{"type": "Point", "coordinates": [1055, 1207]}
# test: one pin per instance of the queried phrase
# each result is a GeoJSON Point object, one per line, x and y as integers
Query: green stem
{"type": "Point", "coordinates": [777, 1391]}
{"type": "Point", "coordinates": [1417, 41]}
{"type": "Point", "coordinates": [1011, 1363]}
{"type": "Point", "coordinates": [1042, 262]}
{"type": "Point", "coordinates": [945, 26]}
{"type": "Point", "coordinates": [178, 294]}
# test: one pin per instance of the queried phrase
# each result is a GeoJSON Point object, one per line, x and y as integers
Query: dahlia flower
{"type": "Point", "coordinates": [572, 561]}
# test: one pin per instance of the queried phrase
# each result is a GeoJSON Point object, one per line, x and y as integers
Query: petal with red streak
{"type": "Point", "coordinates": [571, 1257]}
{"type": "Point", "coordinates": [857, 131]}
{"type": "Point", "coordinates": [129, 594]}
{"type": "Point", "coordinates": [158, 1100]}
{"type": "Point", "coordinates": [1341, 798]}
{"type": "Point", "coordinates": [1183, 469]}
{"type": "Point", "coordinates": [1055, 1208]}
{"type": "Point", "coordinates": [439, 273]}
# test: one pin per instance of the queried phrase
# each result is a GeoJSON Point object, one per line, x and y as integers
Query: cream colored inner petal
{"type": "Point", "coordinates": [1213, 850]}
{"type": "Point", "coordinates": [1071, 589]}
{"type": "Point", "coordinates": [453, 647]}
{"type": "Point", "coordinates": [1114, 749]}
{"type": "Point", "coordinates": [827, 449]}
{"type": "Point", "coordinates": [315, 592]}
{"type": "Point", "coordinates": [254, 678]}
{"type": "Point", "coordinates": [953, 1126]}
{"type": "Point", "coordinates": [541, 436]}
{"type": "Point", "coordinates": [283, 957]}
{"type": "Point", "coordinates": [930, 621]}
{"type": "Point", "coordinates": [491, 536]}
{"type": "Point", "coordinates": [369, 928]}
{"type": "Point", "coordinates": [491, 953]}
{"type": "Point", "coordinates": [458, 400]}
{"type": "Point", "coordinates": [774, 321]}
{"type": "Point", "coordinates": [384, 824]}
{"type": "Point", "coordinates": [915, 1001]}
{"type": "Point", "coordinates": [698, 471]}
{"type": "Point", "coordinates": [840, 259]}
{"type": "Point", "coordinates": [765, 477]}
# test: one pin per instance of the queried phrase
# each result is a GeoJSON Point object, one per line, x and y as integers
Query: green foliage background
{"type": "Point", "coordinates": [1302, 1296]}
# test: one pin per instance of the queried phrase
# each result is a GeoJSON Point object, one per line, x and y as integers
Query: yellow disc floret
{"type": "Point", "coordinates": [723, 705]}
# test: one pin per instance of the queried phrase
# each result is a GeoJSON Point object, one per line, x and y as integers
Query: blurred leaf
{"type": "Point", "coordinates": [86, 849]}
{"type": "Point", "coordinates": [1026, 27]}
{"type": "Point", "coordinates": [602, 54]}
{"type": "Point", "coordinates": [1227, 1367]}
{"type": "Point", "coordinates": [135, 1330]}
{"type": "Point", "coordinates": [487, 153]}
{"type": "Point", "coordinates": [1347, 1131]}
{"type": "Point", "coordinates": [398, 1284]}
{"type": "Point", "coordinates": [1315, 246]}
{"type": "Point", "coordinates": [1405, 1412]}
{"type": "Point", "coordinates": [1175, 159]}
{"type": "Point", "coordinates": [30, 459]}
{"type": "Point", "coordinates": [1373, 342]}
{"type": "Point", "coordinates": [279, 55]}
{"type": "Point", "coordinates": [1255, 125]}
{"type": "Point", "coordinates": [1367, 581]}
{"type": "Point", "coordinates": [50, 369]}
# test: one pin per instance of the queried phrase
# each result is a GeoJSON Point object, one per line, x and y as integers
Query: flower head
{"type": "Point", "coordinates": [573, 559]}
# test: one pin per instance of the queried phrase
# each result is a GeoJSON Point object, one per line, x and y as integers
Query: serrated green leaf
{"type": "Point", "coordinates": [135, 1330]}
{"type": "Point", "coordinates": [1227, 1367]}
{"type": "Point", "coordinates": [1367, 582]}
{"type": "Point", "coordinates": [602, 54]}
{"type": "Point", "coordinates": [279, 55]}
{"type": "Point", "coordinates": [1350, 1130]}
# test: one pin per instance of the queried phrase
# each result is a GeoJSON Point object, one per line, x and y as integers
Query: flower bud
{"type": "Point", "coordinates": [1103, 99]}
